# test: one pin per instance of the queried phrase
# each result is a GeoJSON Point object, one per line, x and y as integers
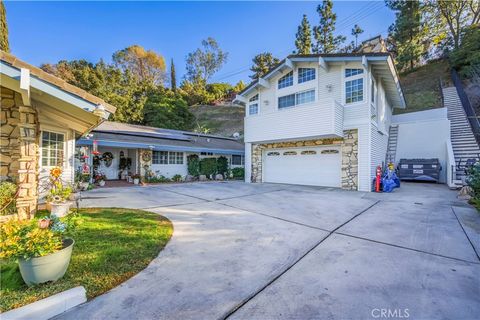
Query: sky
{"type": "Point", "coordinates": [46, 32]}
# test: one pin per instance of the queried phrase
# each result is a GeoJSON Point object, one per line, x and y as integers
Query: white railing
{"type": "Point", "coordinates": [450, 164]}
{"type": "Point", "coordinates": [322, 118]}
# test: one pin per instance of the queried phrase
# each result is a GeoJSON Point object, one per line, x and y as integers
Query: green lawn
{"type": "Point", "coordinates": [111, 245]}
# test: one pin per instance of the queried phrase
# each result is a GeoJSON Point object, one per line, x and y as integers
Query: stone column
{"type": "Point", "coordinates": [257, 162]}
{"type": "Point", "coordinates": [350, 160]}
{"type": "Point", "coordinates": [9, 132]}
{"type": "Point", "coordinates": [27, 174]}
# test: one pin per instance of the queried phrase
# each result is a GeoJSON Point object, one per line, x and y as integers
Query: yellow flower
{"type": "Point", "coordinates": [56, 172]}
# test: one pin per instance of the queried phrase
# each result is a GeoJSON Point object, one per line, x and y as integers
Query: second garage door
{"type": "Point", "coordinates": [316, 166]}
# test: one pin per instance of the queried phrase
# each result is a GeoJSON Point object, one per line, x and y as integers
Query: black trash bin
{"type": "Point", "coordinates": [419, 169]}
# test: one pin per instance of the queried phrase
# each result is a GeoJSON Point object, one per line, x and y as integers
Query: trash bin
{"type": "Point", "coordinates": [419, 169]}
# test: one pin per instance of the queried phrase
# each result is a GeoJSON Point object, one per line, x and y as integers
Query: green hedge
{"type": "Point", "coordinates": [193, 164]}
{"type": "Point", "coordinates": [222, 165]}
{"type": "Point", "coordinates": [208, 166]}
{"type": "Point", "coordinates": [238, 173]}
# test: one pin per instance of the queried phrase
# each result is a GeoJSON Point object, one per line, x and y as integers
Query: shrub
{"type": "Point", "coordinates": [473, 181]}
{"type": "Point", "coordinates": [208, 166]}
{"type": "Point", "coordinates": [25, 239]}
{"type": "Point", "coordinates": [467, 56]}
{"type": "Point", "coordinates": [238, 173]}
{"type": "Point", "coordinates": [158, 179]}
{"type": "Point", "coordinates": [222, 165]}
{"type": "Point", "coordinates": [7, 197]}
{"type": "Point", "coordinates": [177, 178]}
{"type": "Point", "coordinates": [193, 164]}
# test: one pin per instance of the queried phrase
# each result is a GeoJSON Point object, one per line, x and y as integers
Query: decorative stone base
{"type": "Point", "coordinates": [349, 145]}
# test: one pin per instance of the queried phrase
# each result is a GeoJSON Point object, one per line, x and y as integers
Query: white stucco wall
{"type": "Point", "coordinates": [423, 134]}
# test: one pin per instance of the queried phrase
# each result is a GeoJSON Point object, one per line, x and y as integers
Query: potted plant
{"type": "Point", "coordinates": [42, 252]}
{"type": "Point", "coordinates": [100, 179]}
{"type": "Point", "coordinates": [136, 178]}
{"type": "Point", "coordinates": [58, 194]}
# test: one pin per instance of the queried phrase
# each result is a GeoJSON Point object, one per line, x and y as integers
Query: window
{"type": "Point", "coordinates": [286, 80]}
{"type": "Point", "coordinates": [354, 91]}
{"type": "Point", "coordinates": [52, 149]}
{"type": "Point", "coordinates": [238, 160]}
{"type": "Point", "coordinates": [160, 157]}
{"type": "Point", "coordinates": [165, 157]}
{"type": "Point", "coordinates": [352, 72]}
{"type": "Point", "coordinates": [286, 101]}
{"type": "Point", "coordinates": [253, 109]}
{"type": "Point", "coordinates": [273, 153]}
{"type": "Point", "coordinates": [290, 153]}
{"type": "Point", "coordinates": [306, 74]}
{"type": "Point", "coordinates": [308, 152]}
{"type": "Point", "coordinates": [305, 97]}
{"type": "Point", "coordinates": [329, 151]}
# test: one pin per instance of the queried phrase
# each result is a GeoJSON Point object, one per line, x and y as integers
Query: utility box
{"type": "Point", "coordinates": [419, 169]}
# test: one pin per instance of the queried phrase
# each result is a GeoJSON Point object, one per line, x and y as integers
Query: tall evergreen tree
{"type": "Point", "coordinates": [173, 77]}
{"type": "Point", "coordinates": [408, 33]}
{"type": "Point", "coordinates": [4, 45]}
{"type": "Point", "coordinates": [356, 31]}
{"type": "Point", "coordinates": [303, 40]}
{"type": "Point", "coordinates": [262, 62]}
{"type": "Point", "coordinates": [327, 42]}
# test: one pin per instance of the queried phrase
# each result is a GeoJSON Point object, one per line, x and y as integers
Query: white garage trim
{"type": "Point", "coordinates": [317, 166]}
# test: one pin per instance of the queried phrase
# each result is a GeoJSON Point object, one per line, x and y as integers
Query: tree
{"type": "Point", "coordinates": [303, 40]}
{"type": "Point", "coordinates": [4, 45]}
{"type": "Point", "coordinates": [173, 77]}
{"type": "Point", "coordinates": [146, 66]}
{"type": "Point", "coordinates": [262, 63]}
{"type": "Point", "coordinates": [408, 33]}
{"type": "Point", "coordinates": [457, 15]}
{"type": "Point", "coordinates": [166, 109]}
{"type": "Point", "coordinates": [466, 58]}
{"type": "Point", "coordinates": [239, 86]}
{"type": "Point", "coordinates": [323, 33]}
{"type": "Point", "coordinates": [356, 31]}
{"type": "Point", "coordinates": [204, 62]}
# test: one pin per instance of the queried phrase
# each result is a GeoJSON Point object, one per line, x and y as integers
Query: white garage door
{"type": "Point", "coordinates": [316, 166]}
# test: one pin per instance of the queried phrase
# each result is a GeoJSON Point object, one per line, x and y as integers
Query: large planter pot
{"type": "Point", "coordinates": [101, 183]}
{"type": "Point", "coordinates": [47, 268]}
{"type": "Point", "coordinates": [136, 181]}
{"type": "Point", "coordinates": [60, 209]}
{"type": "Point", "coordinates": [84, 185]}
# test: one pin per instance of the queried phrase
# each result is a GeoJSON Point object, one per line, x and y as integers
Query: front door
{"type": "Point", "coordinates": [110, 168]}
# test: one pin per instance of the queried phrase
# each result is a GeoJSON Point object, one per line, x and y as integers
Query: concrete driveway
{"type": "Point", "coordinates": [265, 251]}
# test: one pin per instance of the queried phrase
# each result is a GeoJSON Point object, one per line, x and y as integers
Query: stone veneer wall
{"type": "Point", "coordinates": [19, 150]}
{"type": "Point", "coordinates": [349, 146]}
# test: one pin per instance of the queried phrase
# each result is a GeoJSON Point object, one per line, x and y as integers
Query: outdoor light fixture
{"type": "Point", "coordinates": [100, 111]}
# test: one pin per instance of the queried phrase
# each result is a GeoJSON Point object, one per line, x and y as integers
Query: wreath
{"type": "Point", "coordinates": [146, 157]}
{"type": "Point", "coordinates": [107, 157]}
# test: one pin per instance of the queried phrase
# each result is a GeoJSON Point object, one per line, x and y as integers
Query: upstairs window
{"type": "Point", "coordinates": [286, 101]}
{"type": "Point", "coordinates": [352, 72]}
{"type": "Point", "coordinates": [306, 74]}
{"type": "Point", "coordinates": [286, 80]}
{"type": "Point", "coordinates": [253, 105]}
{"type": "Point", "coordinates": [353, 85]}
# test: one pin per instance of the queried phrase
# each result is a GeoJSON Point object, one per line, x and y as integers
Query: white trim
{"type": "Point", "coordinates": [44, 128]}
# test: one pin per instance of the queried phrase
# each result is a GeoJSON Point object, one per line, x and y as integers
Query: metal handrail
{"type": "Point", "coordinates": [471, 116]}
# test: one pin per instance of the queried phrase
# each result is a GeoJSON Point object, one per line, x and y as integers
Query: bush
{"type": "Point", "coordinates": [177, 178]}
{"type": "Point", "coordinates": [238, 173]}
{"type": "Point", "coordinates": [473, 181]}
{"type": "Point", "coordinates": [467, 56]}
{"type": "Point", "coordinates": [7, 197]}
{"type": "Point", "coordinates": [222, 165]}
{"type": "Point", "coordinates": [193, 164]}
{"type": "Point", "coordinates": [208, 166]}
{"type": "Point", "coordinates": [25, 239]}
{"type": "Point", "coordinates": [157, 179]}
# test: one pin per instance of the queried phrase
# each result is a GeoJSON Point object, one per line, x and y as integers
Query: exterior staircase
{"type": "Point", "coordinates": [464, 144]}
{"type": "Point", "coordinates": [392, 144]}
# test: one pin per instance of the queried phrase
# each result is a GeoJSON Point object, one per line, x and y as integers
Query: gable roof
{"type": "Point", "coordinates": [388, 70]}
{"type": "Point", "coordinates": [53, 80]}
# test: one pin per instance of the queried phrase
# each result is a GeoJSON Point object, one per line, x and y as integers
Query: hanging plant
{"type": "Point", "coordinates": [107, 157]}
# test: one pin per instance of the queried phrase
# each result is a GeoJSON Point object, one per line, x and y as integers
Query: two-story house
{"type": "Point", "coordinates": [321, 119]}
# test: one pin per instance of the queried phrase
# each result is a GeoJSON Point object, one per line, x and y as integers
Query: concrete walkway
{"type": "Point", "coordinates": [264, 251]}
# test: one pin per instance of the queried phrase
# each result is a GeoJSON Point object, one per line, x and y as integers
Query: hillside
{"type": "Point", "coordinates": [221, 120]}
{"type": "Point", "coordinates": [421, 86]}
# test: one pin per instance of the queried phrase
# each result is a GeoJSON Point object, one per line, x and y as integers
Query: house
{"type": "Point", "coordinates": [321, 119]}
{"type": "Point", "coordinates": [123, 148]}
{"type": "Point", "coordinates": [41, 117]}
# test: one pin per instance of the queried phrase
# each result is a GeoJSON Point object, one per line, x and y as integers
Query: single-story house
{"type": "Point", "coordinates": [126, 148]}
{"type": "Point", "coordinates": [41, 118]}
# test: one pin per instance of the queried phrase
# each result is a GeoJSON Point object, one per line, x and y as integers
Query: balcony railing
{"type": "Point", "coordinates": [324, 118]}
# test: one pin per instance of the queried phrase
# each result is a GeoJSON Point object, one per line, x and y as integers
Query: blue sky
{"type": "Point", "coordinates": [50, 31]}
